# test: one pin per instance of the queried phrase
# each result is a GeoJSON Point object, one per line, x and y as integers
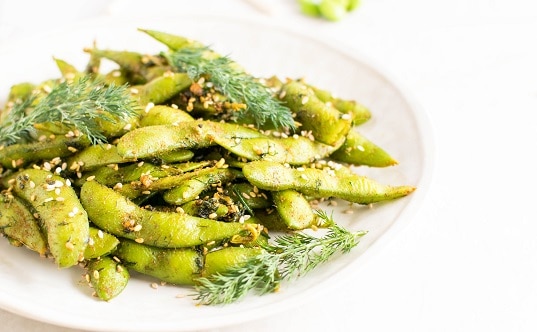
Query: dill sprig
{"type": "Point", "coordinates": [77, 105]}
{"type": "Point", "coordinates": [236, 84]}
{"type": "Point", "coordinates": [289, 257]}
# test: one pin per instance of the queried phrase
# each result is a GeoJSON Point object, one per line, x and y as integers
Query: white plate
{"type": "Point", "coordinates": [35, 288]}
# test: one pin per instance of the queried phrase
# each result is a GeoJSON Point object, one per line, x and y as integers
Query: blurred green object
{"type": "Point", "coordinates": [332, 10]}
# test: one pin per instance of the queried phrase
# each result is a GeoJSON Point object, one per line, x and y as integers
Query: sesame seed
{"type": "Point", "coordinates": [69, 246]}
{"type": "Point", "coordinates": [72, 149]}
{"type": "Point", "coordinates": [90, 178]}
{"type": "Point", "coordinates": [304, 100]}
{"type": "Point", "coordinates": [180, 210]}
{"type": "Point", "coordinates": [57, 191]}
{"type": "Point", "coordinates": [137, 228]}
{"type": "Point", "coordinates": [100, 234]}
{"type": "Point", "coordinates": [213, 215]}
{"type": "Point", "coordinates": [60, 199]}
{"type": "Point", "coordinates": [346, 116]}
{"type": "Point", "coordinates": [148, 107]}
{"type": "Point", "coordinates": [139, 240]}
{"type": "Point", "coordinates": [119, 269]}
{"type": "Point", "coordinates": [154, 285]}
{"type": "Point", "coordinates": [96, 274]}
{"type": "Point", "coordinates": [361, 148]}
{"type": "Point", "coordinates": [48, 199]}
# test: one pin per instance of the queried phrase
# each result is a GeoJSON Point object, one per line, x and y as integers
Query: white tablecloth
{"type": "Point", "coordinates": [468, 259]}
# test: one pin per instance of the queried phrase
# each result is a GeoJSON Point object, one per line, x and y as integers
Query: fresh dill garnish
{"type": "Point", "coordinates": [235, 84]}
{"type": "Point", "coordinates": [77, 105]}
{"type": "Point", "coordinates": [289, 257]}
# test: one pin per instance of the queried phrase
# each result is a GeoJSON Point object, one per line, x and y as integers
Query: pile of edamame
{"type": "Point", "coordinates": [183, 187]}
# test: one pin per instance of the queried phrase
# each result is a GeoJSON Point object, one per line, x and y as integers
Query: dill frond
{"type": "Point", "coordinates": [237, 85]}
{"type": "Point", "coordinates": [289, 257]}
{"type": "Point", "coordinates": [77, 105]}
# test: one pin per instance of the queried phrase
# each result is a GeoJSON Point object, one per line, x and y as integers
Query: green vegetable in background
{"type": "Point", "coordinates": [332, 10]}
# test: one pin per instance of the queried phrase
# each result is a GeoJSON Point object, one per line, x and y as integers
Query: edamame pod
{"type": "Point", "coordinates": [359, 112]}
{"type": "Point", "coordinates": [221, 260]}
{"type": "Point", "coordinates": [162, 114]}
{"type": "Point", "coordinates": [358, 150]}
{"type": "Point", "coordinates": [107, 277]}
{"type": "Point", "coordinates": [146, 142]}
{"type": "Point", "coordinates": [176, 266]}
{"type": "Point", "coordinates": [119, 216]}
{"type": "Point", "coordinates": [95, 156]}
{"type": "Point", "coordinates": [192, 188]}
{"type": "Point", "coordinates": [100, 244]}
{"type": "Point", "coordinates": [18, 155]}
{"type": "Point", "coordinates": [295, 210]}
{"type": "Point", "coordinates": [297, 150]}
{"type": "Point", "coordinates": [64, 219]}
{"type": "Point", "coordinates": [18, 223]}
{"type": "Point", "coordinates": [174, 42]}
{"type": "Point", "coordinates": [162, 88]}
{"type": "Point", "coordinates": [326, 123]}
{"type": "Point", "coordinates": [318, 183]}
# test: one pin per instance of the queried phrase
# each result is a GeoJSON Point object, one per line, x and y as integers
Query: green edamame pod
{"type": "Point", "coordinates": [100, 244]}
{"type": "Point", "coordinates": [107, 277]}
{"type": "Point", "coordinates": [146, 142]}
{"type": "Point", "coordinates": [20, 91]}
{"type": "Point", "coordinates": [119, 216]}
{"type": "Point", "coordinates": [18, 155]}
{"type": "Point", "coordinates": [95, 156]}
{"type": "Point", "coordinates": [327, 124]}
{"type": "Point", "coordinates": [318, 183]}
{"type": "Point", "coordinates": [174, 42]}
{"type": "Point", "coordinates": [129, 61]}
{"type": "Point", "coordinates": [67, 70]}
{"type": "Point", "coordinates": [18, 223]}
{"type": "Point", "coordinates": [192, 188]}
{"type": "Point", "coordinates": [162, 114]}
{"type": "Point", "coordinates": [250, 196]}
{"type": "Point", "coordinates": [297, 150]}
{"type": "Point", "coordinates": [358, 150]}
{"type": "Point", "coordinates": [176, 266]}
{"type": "Point", "coordinates": [359, 112]}
{"type": "Point", "coordinates": [162, 88]}
{"type": "Point", "coordinates": [221, 260]}
{"type": "Point", "coordinates": [64, 219]}
{"type": "Point", "coordinates": [295, 210]}
{"type": "Point", "coordinates": [172, 157]}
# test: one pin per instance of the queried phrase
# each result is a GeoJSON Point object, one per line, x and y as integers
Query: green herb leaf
{"type": "Point", "coordinates": [78, 105]}
{"type": "Point", "coordinates": [290, 257]}
{"type": "Point", "coordinates": [237, 85]}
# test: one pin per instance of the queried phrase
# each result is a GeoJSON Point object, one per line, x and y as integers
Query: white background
{"type": "Point", "coordinates": [468, 259]}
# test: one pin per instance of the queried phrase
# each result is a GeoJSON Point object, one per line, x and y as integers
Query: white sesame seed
{"type": "Point", "coordinates": [346, 116]}
{"type": "Point", "coordinates": [100, 234]}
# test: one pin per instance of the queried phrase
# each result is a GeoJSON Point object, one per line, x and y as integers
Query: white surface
{"type": "Point", "coordinates": [468, 260]}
